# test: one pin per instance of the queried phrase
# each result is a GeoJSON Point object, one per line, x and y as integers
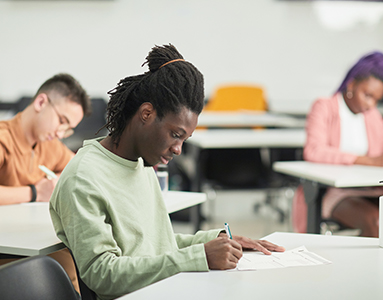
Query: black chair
{"type": "Point", "coordinates": [86, 293]}
{"type": "Point", "coordinates": [22, 103]}
{"type": "Point", "coordinates": [35, 278]}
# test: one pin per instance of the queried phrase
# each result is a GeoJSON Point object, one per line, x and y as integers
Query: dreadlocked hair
{"type": "Point", "coordinates": [169, 88]}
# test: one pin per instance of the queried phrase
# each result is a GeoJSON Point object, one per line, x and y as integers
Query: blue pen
{"type": "Point", "coordinates": [228, 232]}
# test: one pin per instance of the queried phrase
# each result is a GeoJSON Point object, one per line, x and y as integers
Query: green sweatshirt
{"type": "Point", "coordinates": [110, 212]}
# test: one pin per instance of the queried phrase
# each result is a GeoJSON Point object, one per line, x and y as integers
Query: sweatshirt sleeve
{"type": "Point", "coordinates": [319, 126]}
{"type": "Point", "coordinates": [81, 221]}
{"type": "Point", "coordinates": [201, 237]}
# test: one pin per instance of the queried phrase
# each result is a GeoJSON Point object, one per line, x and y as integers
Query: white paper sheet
{"type": "Point", "coordinates": [293, 258]}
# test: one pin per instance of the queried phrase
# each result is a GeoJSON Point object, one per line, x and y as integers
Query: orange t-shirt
{"type": "Point", "coordinates": [19, 161]}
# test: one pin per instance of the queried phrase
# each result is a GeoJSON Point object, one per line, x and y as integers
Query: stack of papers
{"type": "Point", "coordinates": [293, 258]}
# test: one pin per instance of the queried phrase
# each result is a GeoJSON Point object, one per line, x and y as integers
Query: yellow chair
{"type": "Point", "coordinates": [238, 168]}
{"type": "Point", "coordinates": [237, 97]}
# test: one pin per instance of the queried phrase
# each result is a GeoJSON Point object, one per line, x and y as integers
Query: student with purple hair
{"type": "Point", "coordinates": [347, 129]}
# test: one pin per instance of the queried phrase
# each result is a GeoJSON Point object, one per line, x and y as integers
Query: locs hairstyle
{"type": "Point", "coordinates": [167, 86]}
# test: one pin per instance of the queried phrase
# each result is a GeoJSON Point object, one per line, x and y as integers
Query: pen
{"type": "Point", "coordinates": [228, 232]}
{"type": "Point", "coordinates": [49, 173]}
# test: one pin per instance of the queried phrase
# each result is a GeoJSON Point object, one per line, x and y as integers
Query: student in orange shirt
{"type": "Point", "coordinates": [32, 138]}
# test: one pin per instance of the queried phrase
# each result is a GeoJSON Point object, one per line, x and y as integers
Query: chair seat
{"type": "Point", "coordinates": [35, 278]}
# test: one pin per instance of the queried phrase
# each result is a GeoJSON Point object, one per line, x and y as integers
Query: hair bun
{"type": "Point", "coordinates": [160, 55]}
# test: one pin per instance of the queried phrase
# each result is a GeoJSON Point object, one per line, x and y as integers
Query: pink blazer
{"type": "Point", "coordinates": [323, 141]}
{"type": "Point", "coordinates": [323, 133]}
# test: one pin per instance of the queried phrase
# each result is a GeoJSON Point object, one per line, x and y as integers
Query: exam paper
{"type": "Point", "coordinates": [293, 258]}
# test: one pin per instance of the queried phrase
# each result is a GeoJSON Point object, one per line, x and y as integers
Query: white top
{"type": "Point", "coordinates": [353, 134]}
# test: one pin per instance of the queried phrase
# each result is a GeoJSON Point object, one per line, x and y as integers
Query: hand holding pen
{"type": "Point", "coordinates": [222, 253]}
{"type": "Point", "coordinates": [45, 186]}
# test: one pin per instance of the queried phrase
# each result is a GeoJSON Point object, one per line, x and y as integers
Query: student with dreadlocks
{"type": "Point", "coordinates": [108, 206]}
{"type": "Point", "coordinates": [347, 129]}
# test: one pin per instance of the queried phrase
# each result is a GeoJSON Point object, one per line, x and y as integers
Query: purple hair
{"type": "Point", "coordinates": [369, 65]}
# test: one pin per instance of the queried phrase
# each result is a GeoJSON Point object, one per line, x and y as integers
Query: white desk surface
{"type": "Point", "coordinates": [356, 273]}
{"type": "Point", "coordinates": [333, 175]}
{"type": "Point", "coordinates": [27, 230]}
{"type": "Point", "coordinates": [248, 119]}
{"type": "Point", "coordinates": [176, 201]}
{"type": "Point", "coordinates": [248, 138]}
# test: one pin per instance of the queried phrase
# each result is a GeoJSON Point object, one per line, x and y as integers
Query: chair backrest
{"type": "Point", "coordinates": [86, 293]}
{"type": "Point", "coordinates": [237, 97]}
{"type": "Point", "coordinates": [89, 125]}
{"type": "Point", "coordinates": [92, 123]}
{"type": "Point", "coordinates": [35, 278]}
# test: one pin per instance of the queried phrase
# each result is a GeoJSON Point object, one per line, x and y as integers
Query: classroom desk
{"type": "Point", "coordinates": [193, 160]}
{"type": "Point", "coordinates": [233, 139]}
{"type": "Point", "coordinates": [356, 273]}
{"type": "Point", "coordinates": [175, 200]}
{"type": "Point", "coordinates": [27, 230]}
{"type": "Point", "coordinates": [248, 119]}
{"type": "Point", "coordinates": [317, 177]}
{"type": "Point", "coordinates": [247, 138]}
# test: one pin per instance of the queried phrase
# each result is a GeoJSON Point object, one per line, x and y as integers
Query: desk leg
{"type": "Point", "coordinates": [313, 194]}
{"type": "Point", "coordinates": [196, 186]}
{"type": "Point", "coordinates": [195, 217]}
{"type": "Point", "coordinates": [191, 164]}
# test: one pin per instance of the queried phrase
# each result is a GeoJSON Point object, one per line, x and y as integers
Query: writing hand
{"type": "Point", "coordinates": [222, 253]}
{"type": "Point", "coordinates": [44, 189]}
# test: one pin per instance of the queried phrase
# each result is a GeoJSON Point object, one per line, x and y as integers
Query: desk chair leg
{"type": "Point", "coordinates": [269, 202]}
{"type": "Point", "coordinates": [314, 193]}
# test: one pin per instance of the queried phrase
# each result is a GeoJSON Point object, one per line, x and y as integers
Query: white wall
{"type": "Point", "coordinates": [282, 45]}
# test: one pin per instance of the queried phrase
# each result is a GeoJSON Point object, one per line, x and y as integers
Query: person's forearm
{"type": "Point", "coordinates": [369, 161]}
{"type": "Point", "coordinates": [14, 195]}
{"type": "Point", "coordinates": [186, 240]}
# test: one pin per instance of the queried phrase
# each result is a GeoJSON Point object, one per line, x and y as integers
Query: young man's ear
{"type": "Point", "coordinates": [147, 112]}
{"type": "Point", "coordinates": [40, 101]}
